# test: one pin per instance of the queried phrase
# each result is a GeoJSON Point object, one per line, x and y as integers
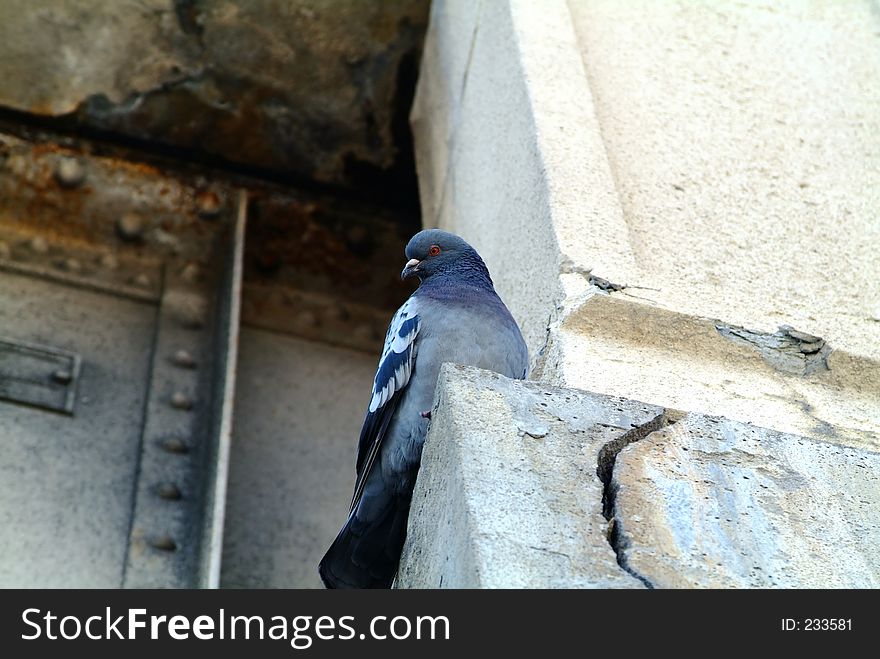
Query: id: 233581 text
{"type": "Point", "coordinates": [816, 624]}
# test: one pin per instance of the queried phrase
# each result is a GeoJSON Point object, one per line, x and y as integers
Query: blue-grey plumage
{"type": "Point", "coordinates": [454, 316]}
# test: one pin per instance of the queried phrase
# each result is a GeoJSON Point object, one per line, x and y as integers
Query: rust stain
{"type": "Point", "coordinates": [34, 200]}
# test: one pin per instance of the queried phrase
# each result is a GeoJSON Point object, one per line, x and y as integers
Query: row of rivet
{"type": "Point", "coordinates": [174, 445]}
{"type": "Point", "coordinates": [70, 173]}
{"type": "Point", "coordinates": [107, 261]}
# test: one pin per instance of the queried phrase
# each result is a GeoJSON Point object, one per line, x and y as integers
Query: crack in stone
{"type": "Point", "coordinates": [607, 458]}
{"type": "Point", "coordinates": [787, 350]}
{"type": "Point", "coordinates": [604, 284]}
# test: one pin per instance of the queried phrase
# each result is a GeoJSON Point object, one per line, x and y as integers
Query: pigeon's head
{"type": "Point", "coordinates": [434, 250]}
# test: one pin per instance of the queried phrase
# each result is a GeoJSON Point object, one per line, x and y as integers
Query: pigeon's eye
{"type": "Point", "coordinates": [434, 251]}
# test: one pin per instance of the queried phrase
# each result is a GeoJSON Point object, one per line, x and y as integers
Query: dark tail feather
{"type": "Point", "coordinates": [365, 554]}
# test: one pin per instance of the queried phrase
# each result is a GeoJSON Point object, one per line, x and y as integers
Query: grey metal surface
{"type": "Point", "coordinates": [298, 409]}
{"type": "Point", "coordinates": [131, 233]}
{"type": "Point", "coordinates": [66, 482]}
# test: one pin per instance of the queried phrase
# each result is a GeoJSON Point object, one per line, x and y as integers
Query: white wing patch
{"type": "Point", "coordinates": [395, 366]}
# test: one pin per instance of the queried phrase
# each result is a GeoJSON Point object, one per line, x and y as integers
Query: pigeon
{"type": "Point", "coordinates": [455, 316]}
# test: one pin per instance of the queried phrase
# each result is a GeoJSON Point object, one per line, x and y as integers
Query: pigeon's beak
{"type": "Point", "coordinates": [410, 269]}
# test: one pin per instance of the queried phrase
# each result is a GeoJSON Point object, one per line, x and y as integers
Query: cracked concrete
{"type": "Point", "coordinates": [712, 503]}
{"type": "Point", "coordinates": [787, 350]}
{"type": "Point", "coordinates": [527, 485]}
{"type": "Point", "coordinates": [606, 459]}
{"type": "Point", "coordinates": [509, 492]}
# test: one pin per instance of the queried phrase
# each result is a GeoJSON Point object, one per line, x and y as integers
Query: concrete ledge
{"type": "Point", "coordinates": [509, 493]}
{"type": "Point", "coordinates": [528, 485]}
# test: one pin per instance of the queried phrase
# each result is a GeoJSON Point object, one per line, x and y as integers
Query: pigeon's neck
{"type": "Point", "coordinates": [467, 270]}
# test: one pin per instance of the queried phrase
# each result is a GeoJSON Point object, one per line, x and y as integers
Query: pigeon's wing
{"type": "Point", "coordinates": [392, 377]}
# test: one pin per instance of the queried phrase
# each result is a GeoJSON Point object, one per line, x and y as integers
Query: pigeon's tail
{"type": "Point", "coordinates": [367, 550]}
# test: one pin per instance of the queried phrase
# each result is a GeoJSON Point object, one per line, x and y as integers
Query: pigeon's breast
{"type": "Point", "coordinates": [480, 335]}
{"type": "Point", "coordinates": [472, 333]}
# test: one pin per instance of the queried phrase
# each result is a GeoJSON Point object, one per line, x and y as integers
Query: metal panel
{"type": "Point", "coordinates": [66, 482]}
{"type": "Point", "coordinates": [299, 408]}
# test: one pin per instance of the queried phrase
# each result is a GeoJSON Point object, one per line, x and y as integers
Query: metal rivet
{"type": "Point", "coordinates": [191, 317]}
{"type": "Point", "coordinates": [39, 245]}
{"type": "Point", "coordinates": [168, 491]}
{"type": "Point", "coordinates": [70, 265]}
{"type": "Point", "coordinates": [175, 445]}
{"type": "Point", "coordinates": [208, 203]}
{"type": "Point", "coordinates": [141, 280]}
{"type": "Point", "coordinates": [189, 309]}
{"type": "Point", "coordinates": [5, 251]}
{"type": "Point", "coordinates": [62, 376]}
{"type": "Point", "coordinates": [181, 401]}
{"type": "Point", "coordinates": [130, 227]}
{"type": "Point", "coordinates": [306, 319]}
{"type": "Point", "coordinates": [184, 359]}
{"type": "Point", "coordinates": [164, 542]}
{"type": "Point", "coordinates": [109, 261]}
{"type": "Point", "coordinates": [69, 172]}
{"type": "Point", "coordinates": [190, 272]}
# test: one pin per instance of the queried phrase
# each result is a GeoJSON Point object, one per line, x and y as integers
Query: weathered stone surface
{"type": "Point", "coordinates": [509, 493]}
{"type": "Point", "coordinates": [556, 147]}
{"type": "Point", "coordinates": [518, 479]}
{"type": "Point", "coordinates": [311, 87]}
{"type": "Point", "coordinates": [709, 502]}
{"type": "Point", "coordinates": [749, 193]}
{"type": "Point", "coordinates": [684, 362]}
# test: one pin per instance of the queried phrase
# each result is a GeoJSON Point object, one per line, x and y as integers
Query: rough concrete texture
{"type": "Point", "coordinates": [712, 503]}
{"type": "Point", "coordinates": [749, 189]}
{"type": "Point", "coordinates": [309, 87]}
{"type": "Point", "coordinates": [693, 363]}
{"type": "Point", "coordinates": [518, 479]}
{"type": "Point", "coordinates": [509, 493]}
{"type": "Point", "coordinates": [688, 149]}
{"type": "Point", "coordinates": [298, 410]}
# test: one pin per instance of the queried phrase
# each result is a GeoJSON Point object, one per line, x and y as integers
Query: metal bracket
{"type": "Point", "coordinates": [38, 376]}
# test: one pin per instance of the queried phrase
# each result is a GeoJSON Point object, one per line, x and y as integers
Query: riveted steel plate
{"type": "Point", "coordinates": [119, 303]}
{"type": "Point", "coordinates": [40, 376]}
